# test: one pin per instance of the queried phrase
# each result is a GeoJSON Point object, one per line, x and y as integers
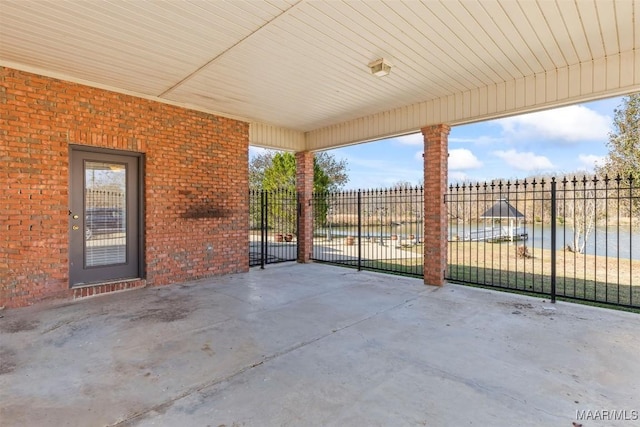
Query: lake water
{"type": "Point", "coordinates": [612, 241]}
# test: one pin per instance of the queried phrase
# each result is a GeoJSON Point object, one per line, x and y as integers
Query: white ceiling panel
{"type": "Point", "coordinates": [301, 65]}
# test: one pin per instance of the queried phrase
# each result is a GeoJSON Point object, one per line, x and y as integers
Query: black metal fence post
{"type": "Point", "coordinates": [359, 231]}
{"type": "Point", "coordinates": [554, 215]}
{"type": "Point", "coordinates": [263, 228]}
{"type": "Point", "coordinates": [631, 209]}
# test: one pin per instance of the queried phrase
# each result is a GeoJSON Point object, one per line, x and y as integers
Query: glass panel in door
{"type": "Point", "coordinates": [105, 213]}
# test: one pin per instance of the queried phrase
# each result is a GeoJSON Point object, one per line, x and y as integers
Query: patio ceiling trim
{"type": "Point", "coordinates": [73, 79]}
{"type": "Point", "coordinates": [612, 76]}
{"type": "Point", "coordinates": [615, 75]}
{"type": "Point", "coordinates": [274, 137]}
{"type": "Point", "coordinates": [296, 70]}
{"type": "Point", "coordinates": [260, 134]}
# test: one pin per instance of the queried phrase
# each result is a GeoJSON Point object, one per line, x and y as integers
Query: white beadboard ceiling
{"type": "Point", "coordinates": [297, 70]}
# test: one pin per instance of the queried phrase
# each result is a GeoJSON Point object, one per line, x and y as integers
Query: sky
{"type": "Point", "coordinates": [565, 140]}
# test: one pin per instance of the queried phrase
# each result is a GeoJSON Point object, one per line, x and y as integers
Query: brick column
{"type": "Point", "coordinates": [435, 211]}
{"type": "Point", "coordinates": [304, 187]}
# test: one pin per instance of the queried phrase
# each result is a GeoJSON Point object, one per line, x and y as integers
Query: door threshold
{"type": "Point", "coordinates": [107, 282]}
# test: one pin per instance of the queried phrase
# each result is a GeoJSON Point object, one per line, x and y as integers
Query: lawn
{"type": "Point", "coordinates": [580, 276]}
{"type": "Point", "coordinates": [585, 277]}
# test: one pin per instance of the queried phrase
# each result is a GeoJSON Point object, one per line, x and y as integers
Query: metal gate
{"type": "Point", "coordinates": [273, 226]}
{"type": "Point", "coordinates": [380, 230]}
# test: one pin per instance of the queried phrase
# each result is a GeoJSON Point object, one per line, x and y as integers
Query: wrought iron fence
{"type": "Point", "coordinates": [370, 229]}
{"type": "Point", "coordinates": [272, 226]}
{"type": "Point", "coordinates": [575, 238]}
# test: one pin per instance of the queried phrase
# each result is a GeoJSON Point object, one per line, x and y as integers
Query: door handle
{"type": "Point", "coordinates": [75, 227]}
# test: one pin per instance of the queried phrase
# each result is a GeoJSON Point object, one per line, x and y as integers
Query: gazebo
{"type": "Point", "coordinates": [501, 210]}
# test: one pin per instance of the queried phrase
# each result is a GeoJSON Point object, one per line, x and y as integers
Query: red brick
{"type": "Point", "coordinates": [304, 187]}
{"type": "Point", "coordinates": [435, 188]}
{"type": "Point", "coordinates": [185, 150]}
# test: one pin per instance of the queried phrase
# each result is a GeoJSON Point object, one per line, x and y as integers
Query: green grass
{"type": "Point", "coordinates": [528, 276]}
{"type": "Point", "coordinates": [566, 288]}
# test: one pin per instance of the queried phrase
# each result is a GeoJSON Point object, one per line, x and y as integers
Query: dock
{"type": "Point", "coordinates": [492, 235]}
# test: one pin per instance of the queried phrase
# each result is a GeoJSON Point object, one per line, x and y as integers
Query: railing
{"type": "Point", "coordinates": [581, 239]}
{"type": "Point", "coordinates": [272, 227]}
{"type": "Point", "coordinates": [492, 234]}
{"type": "Point", "coordinates": [569, 238]}
{"type": "Point", "coordinates": [371, 229]}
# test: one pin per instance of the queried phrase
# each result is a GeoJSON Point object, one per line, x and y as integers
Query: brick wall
{"type": "Point", "coordinates": [435, 212]}
{"type": "Point", "coordinates": [196, 184]}
{"type": "Point", "coordinates": [304, 187]}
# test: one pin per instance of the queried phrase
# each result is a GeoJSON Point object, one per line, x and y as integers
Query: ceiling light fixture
{"type": "Point", "coordinates": [380, 67]}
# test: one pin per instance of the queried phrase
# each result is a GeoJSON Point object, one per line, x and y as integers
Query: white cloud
{"type": "Point", "coordinates": [590, 161]}
{"type": "Point", "coordinates": [574, 123]}
{"type": "Point", "coordinates": [480, 140]}
{"type": "Point", "coordinates": [375, 164]}
{"type": "Point", "coordinates": [463, 159]}
{"type": "Point", "coordinates": [418, 139]}
{"type": "Point", "coordinates": [524, 161]}
{"type": "Point", "coordinates": [377, 173]}
{"type": "Point", "coordinates": [413, 139]}
{"type": "Point", "coordinates": [457, 176]}
{"type": "Point", "coordinates": [386, 178]}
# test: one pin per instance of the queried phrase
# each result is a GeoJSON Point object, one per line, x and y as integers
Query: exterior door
{"type": "Point", "coordinates": [104, 216]}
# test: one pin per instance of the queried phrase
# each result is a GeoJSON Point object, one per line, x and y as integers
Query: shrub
{"type": "Point", "coordinates": [523, 252]}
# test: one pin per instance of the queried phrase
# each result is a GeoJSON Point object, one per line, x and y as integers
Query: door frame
{"type": "Point", "coordinates": [140, 216]}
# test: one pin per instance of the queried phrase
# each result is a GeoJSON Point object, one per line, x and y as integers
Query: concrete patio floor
{"type": "Point", "coordinates": [316, 345]}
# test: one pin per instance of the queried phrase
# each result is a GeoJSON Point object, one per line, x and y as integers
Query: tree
{"type": "Point", "coordinates": [583, 204]}
{"type": "Point", "coordinates": [257, 166]}
{"type": "Point", "coordinates": [279, 179]}
{"type": "Point", "coordinates": [271, 170]}
{"type": "Point", "coordinates": [623, 159]}
{"type": "Point", "coordinates": [281, 173]}
{"type": "Point", "coordinates": [276, 173]}
{"type": "Point", "coordinates": [336, 171]}
{"type": "Point", "coordinates": [408, 204]}
{"type": "Point", "coordinates": [624, 141]}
